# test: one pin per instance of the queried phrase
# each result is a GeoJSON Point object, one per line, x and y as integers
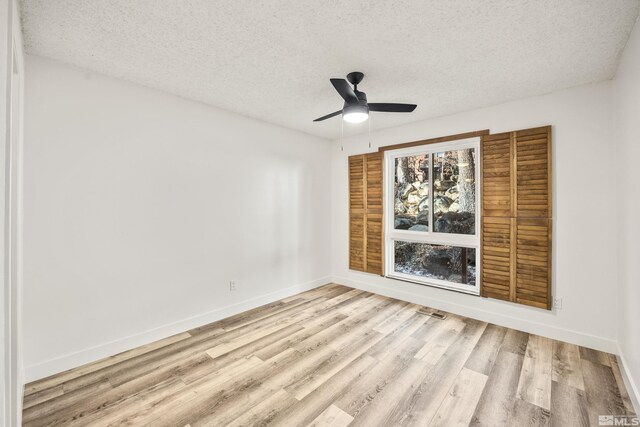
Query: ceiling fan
{"type": "Point", "coordinates": [356, 108]}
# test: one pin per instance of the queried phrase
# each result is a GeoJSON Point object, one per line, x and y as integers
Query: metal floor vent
{"type": "Point", "coordinates": [426, 311]}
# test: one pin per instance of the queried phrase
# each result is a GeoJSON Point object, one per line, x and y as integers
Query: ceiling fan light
{"type": "Point", "coordinates": [355, 113]}
{"type": "Point", "coordinates": [356, 117]}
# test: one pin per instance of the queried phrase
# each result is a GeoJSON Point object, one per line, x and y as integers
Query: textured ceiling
{"type": "Point", "coordinates": [272, 60]}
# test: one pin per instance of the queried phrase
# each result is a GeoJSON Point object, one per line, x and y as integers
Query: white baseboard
{"type": "Point", "coordinates": [561, 334]}
{"type": "Point", "coordinates": [92, 354]}
{"type": "Point", "coordinates": [632, 388]}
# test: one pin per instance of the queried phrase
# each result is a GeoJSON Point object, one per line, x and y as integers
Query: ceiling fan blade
{"type": "Point", "coordinates": [328, 116]}
{"type": "Point", "coordinates": [345, 90]}
{"type": "Point", "coordinates": [391, 108]}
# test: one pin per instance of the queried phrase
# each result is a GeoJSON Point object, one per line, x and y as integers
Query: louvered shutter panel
{"type": "Point", "coordinates": [497, 259]}
{"type": "Point", "coordinates": [533, 160]}
{"type": "Point", "coordinates": [373, 217]}
{"type": "Point", "coordinates": [366, 233]}
{"type": "Point", "coordinates": [533, 284]}
{"type": "Point", "coordinates": [356, 213]}
{"type": "Point", "coordinates": [497, 234]}
{"type": "Point", "coordinates": [516, 222]}
{"type": "Point", "coordinates": [533, 212]}
{"type": "Point", "coordinates": [497, 177]}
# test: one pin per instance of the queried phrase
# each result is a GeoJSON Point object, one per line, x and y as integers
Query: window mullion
{"type": "Point", "coordinates": [430, 193]}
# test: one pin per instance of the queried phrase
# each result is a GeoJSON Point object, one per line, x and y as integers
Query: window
{"type": "Point", "coordinates": [432, 213]}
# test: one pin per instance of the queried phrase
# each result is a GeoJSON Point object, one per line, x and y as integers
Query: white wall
{"type": "Point", "coordinates": [140, 207]}
{"type": "Point", "coordinates": [627, 123]}
{"type": "Point", "coordinates": [584, 233]}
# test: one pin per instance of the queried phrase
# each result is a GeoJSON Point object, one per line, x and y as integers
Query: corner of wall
{"type": "Point", "coordinates": [632, 387]}
{"type": "Point", "coordinates": [626, 128]}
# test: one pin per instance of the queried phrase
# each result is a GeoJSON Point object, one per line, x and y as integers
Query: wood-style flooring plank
{"type": "Point", "coordinates": [595, 356]}
{"type": "Point", "coordinates": [211, 396]}
{"type": "Point", "coordinates": [526, 414]}
{"type": "Point", "coordinates": [329, 392]}
{"type": "Point", "coordinates": [626, 399]}
{"type": "Point", "coordinates": [265, 411]}
{"type": "Point", "coordinates": [324, 371]}
{"type": "Point", "coordinates": [484, 355]}
{"type": "Point", "coordinates": [332, 417]}
{"type": "Point", "coordinates": [535, 379]}
{"type": "Point", "coordinates": [52, 411]}
{"type": "Point", "coordinates": [601, 388]}
{"type": "Point", "coordinates": [568, 405]}
{"type": "Point", "coordinates": [437, 345]}
{"type": "Point", "coordinates": [292, 340]}
{"type": "Point", "coordinates": [387, 408]}
{"type": "Point", "coordinates": [497, 400]}
{"type": "Point", "coordinates": [435, 327]}
{"type": "Point", "coordinates": [419, 408]}
{"type": "Point", "coordinates": [313, 367]}
{"type": "Point", "coordinates": [397, 339]}
{"type": "Point", "coordinates": [515, 342]}
{"type": "Point", "coordinates": [367, 389]}
{"type": "Point", "coordinates": [566, 365]}
{"type": "Point", "coordinates": [458, 406]}
{"type": "Point", "coordinates": [184, 397]}
{"type": "Point", "coordinates": [40, 397]}
{"type": "Point", "coordinates": [227, 345]}
{"type": "Point", "coordinates": [71, 374]}
{"type": "Point", "coordinates": [127, 412]}
{"type": "Point", "coordinates": [389, 324]}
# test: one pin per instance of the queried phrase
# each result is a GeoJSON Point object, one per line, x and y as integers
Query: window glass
{"type": "Point", "coordinates": [450, 263]}
{"type": "Point", "coordinates": [411, 189]}
{"type": "Point", "coordinates": [454, 191]}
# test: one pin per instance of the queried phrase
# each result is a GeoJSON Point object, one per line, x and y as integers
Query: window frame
{"type": "Point", "coordinates": [430, 237]}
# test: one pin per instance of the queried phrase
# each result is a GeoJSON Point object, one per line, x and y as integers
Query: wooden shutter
{"type": "Point", "coordinates": [366, 232]}
{"type": "Point", "coordinates": [373, 215]}
{"type": "Point", "coordinates": [497, 240]}
{"type": "Point", "coordinates": [516, 216]}
{"type": "Point", "coordinates": [356, 213]}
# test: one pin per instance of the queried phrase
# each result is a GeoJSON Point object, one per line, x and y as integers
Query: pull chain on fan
{"type": "Point", "coordinates": [369, 133]}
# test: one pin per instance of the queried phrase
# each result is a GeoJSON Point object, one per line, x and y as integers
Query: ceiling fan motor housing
{"type": "Point", "coordinates": [362, 97]}
{"type": "Point", "coordinates": [360, 107]}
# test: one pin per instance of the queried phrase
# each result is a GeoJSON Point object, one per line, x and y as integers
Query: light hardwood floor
{"type": "Point", "coordinates": [336, 356]}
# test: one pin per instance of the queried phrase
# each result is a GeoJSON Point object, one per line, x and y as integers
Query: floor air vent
{"type": "Point", "coordinates": [427, 312]}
